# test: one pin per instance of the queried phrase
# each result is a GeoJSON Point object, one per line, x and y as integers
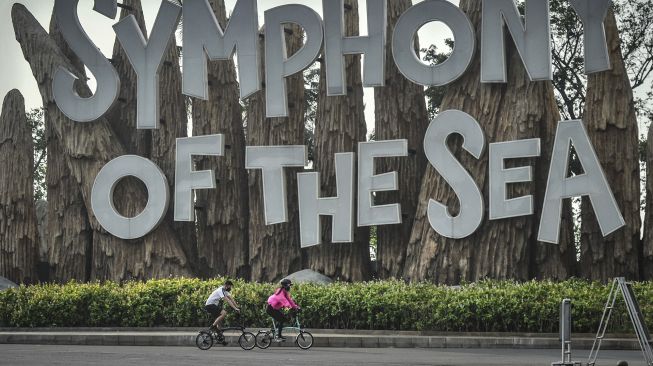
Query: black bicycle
{"type": "Point", "coordinates": [206, 338]}
{"type": "Point", "coordinates": [303, 338]}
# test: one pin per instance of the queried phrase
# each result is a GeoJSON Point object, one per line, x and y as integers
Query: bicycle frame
{"type": "Point", "coordinates": [297, 327]}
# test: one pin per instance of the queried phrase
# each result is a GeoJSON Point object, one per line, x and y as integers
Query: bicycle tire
{"type": "Point", "coordinates": [247, 341]}
{"type": "Point", "coordinates": [304, 340]}
{"type": "Point", "coordinates": [204, 340]}
{"type": "Point", "coordinates": [263, 339]}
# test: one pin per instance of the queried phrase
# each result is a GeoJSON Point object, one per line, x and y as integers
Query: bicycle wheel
{"type": "Point", "coordinates": [247, 341]}
{"type": "Point", "coordinates": [204, 340]}
{"type": "Point", "coordinates": [263, 339]}
{"type": "Point", "coordinates": [304, 340]}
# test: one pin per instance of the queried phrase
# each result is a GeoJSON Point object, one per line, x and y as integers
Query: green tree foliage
{"type": "Point", "coordinates": [635, 22]}
{"type": "Point", "coordinates": [37, 124]}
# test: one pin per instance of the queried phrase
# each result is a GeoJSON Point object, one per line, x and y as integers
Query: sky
{"type": "Point", "coordinates": [15, 72]}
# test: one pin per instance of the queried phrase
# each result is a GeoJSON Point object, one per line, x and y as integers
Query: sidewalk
{"type": "Point", "coordinates": [322, 338]}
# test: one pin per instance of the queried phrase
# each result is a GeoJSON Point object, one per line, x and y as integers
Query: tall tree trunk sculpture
{"type": "Point", "coordinates": [18, 230]}
{"type": "Point", "coordinates": [400, 110]}
{"type": "Point", "coordinates": [222, 213]}
{"type": "Point", "coordinates": [274, 250]}
{"type": "Point", "coordinates": [611, 122]}
{"type": "Point", "coordinates": [70, 237]}
{"type": "Point", "coordinates": [339, 126]}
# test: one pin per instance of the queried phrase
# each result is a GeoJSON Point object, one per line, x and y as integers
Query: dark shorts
{"type": "Point", "coordinates": [278, 315]}
{"type": "Point", "coordinates": [213, 309]}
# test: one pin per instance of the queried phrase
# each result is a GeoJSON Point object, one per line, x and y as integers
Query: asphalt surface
{"type": "Point", "coordinates": [125, 355]}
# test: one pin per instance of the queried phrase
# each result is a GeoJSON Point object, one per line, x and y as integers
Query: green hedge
{"type": "Point", "coordinates": [487, 306]}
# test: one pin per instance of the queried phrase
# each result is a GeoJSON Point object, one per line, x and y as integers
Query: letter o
{"type": "Point", "coordinates": [403, 47]}
{"type": "Point", "coordinates": [102, 197]}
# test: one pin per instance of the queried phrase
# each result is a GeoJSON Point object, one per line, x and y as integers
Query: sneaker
{"type": "Point", "coordinates": [279, 339]}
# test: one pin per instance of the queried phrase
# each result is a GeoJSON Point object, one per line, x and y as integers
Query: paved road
{"type": "Point", "coordinates": [173, 356]}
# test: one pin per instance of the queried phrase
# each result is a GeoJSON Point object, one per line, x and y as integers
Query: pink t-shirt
{"type": "Point", "coordinates": [281, 299]}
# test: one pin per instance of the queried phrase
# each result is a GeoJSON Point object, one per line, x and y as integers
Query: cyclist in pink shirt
{"type": "Point", "coordinates": [279, 300]}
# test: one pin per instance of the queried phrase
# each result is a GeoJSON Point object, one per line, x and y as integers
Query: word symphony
{"type": "Point", "coordinates": [204, 39]}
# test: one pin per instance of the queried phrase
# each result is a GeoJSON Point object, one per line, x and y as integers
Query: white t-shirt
{"type": "Point", "coordinates": [217, 295]}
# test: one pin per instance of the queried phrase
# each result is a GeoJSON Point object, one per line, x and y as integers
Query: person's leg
{"type": "Point", "coordinates": [278, 316]}
{"type": "Point", "coordinates": [218, 321]}
{"type": "Point", "coordinates": [214, 312]}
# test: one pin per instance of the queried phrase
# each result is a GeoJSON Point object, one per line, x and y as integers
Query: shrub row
{"type": "Point", "coordinates": [486, 306]}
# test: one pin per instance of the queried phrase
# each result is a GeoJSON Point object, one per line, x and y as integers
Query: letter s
{"type": "Point", "coordinates": [108, 83]}
{"type": "Point", "coordinates": [439, 155]}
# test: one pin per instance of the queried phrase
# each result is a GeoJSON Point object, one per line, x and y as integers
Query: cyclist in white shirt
{"type": "Point", "coordinates": [215, 303]}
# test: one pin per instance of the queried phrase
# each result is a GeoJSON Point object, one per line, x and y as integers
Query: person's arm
{"type": "Point", "coordinates": [232, 302]}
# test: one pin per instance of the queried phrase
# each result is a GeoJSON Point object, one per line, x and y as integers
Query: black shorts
{"type": "Point", "coordinates": [213, 309]}
{"type": "Point", "coordinates": [277, 315]}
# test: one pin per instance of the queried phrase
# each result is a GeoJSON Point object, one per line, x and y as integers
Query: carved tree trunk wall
{"type": "Point", "coordinates": [88, 147]}
{"type": "Point", "coordinates": [611, 122]}
{"type": "Point", "coordinates": [499, 248]}
{"type": "Point", "coordinates": [550, 261]}
{"type": "Point", "coordinates": [339, 126]}
{"type": "Point", "coordinates": [18, 231]}
{"type": "Point", "coordinates": [70, 237]}
{"type": "Point", "coordinates": [122, 116]}
{"type": "Point", "coordinates": [173, 124]}
{"type": "Point", "coordinates": [400, 110]}
{"type": "Point", "coordinates": [222, 213]}
{"type": "Point", "coordinates": [274, 250]}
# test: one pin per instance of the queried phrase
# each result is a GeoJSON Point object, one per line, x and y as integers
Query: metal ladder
{"type": "Point", "coordinates": [619, 285]}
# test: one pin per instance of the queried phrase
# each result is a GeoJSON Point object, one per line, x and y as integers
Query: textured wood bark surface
{"type": "Point", "coordinates": [88, 147]}
{"type": "Point", "coordinates": [400, 110]}
{"type": "Point", "coordinates": [69, 233]}
{"type": "Point", "coordinates": [274, 250]}
{"type": "Point", "coordinates": [18, 230]}
{"type": "Point", "coordinates": [499, 248]}
{"type": "Point", "coordinates": [122, 115]}
{"type": "Point", "coordinates": [611, 122]}
{"type": "Point", "coordinates": [339, 126]}
{"type": "Point", "coordinates": [550, 261]}
{"type": "Point", "coordinates": [173, 123]}
{"type": "Point", "coordinates": [222, 213]}
{"type": "Point", "coordinates": [647, 243]}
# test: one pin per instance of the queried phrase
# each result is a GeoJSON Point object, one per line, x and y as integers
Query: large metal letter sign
{"type": "Point", "coordinates": [593, 183]}
{"type": "Point", "coordinates": [592, 13]}
{"type": "Point", "coordinates": [500, 206]}
{"type": "Point", "coordinates": [108, 83]}
{"type": "Point", "coordinates": [186, 179]}
{"type": "Point", "coordinates": [277, 64]}
{"type": "Point", "coordinates": [336, 45]}
{"type": "Point", "coordinates": [439, 155]}
{"type": "Point", "coordinates": [369, 182]}
{"type": "Point", "coordinates": [102, 197]}
{"type": "Point", "coordinates": [272, 160]}
{"type": "Point", "coordinates": [403, 47]}
{"type": "Point", "coordinates": [532, 38]}
{"type": "Point", "coordinates": [203, 36]}
{"type": "Point", "coordinates": [341, 207]}
{"type": "Point", "coordinates": [146, 58]}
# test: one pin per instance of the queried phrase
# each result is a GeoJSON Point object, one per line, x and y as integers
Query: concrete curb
{"type": "Point", "coordinates": [322, 338]}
